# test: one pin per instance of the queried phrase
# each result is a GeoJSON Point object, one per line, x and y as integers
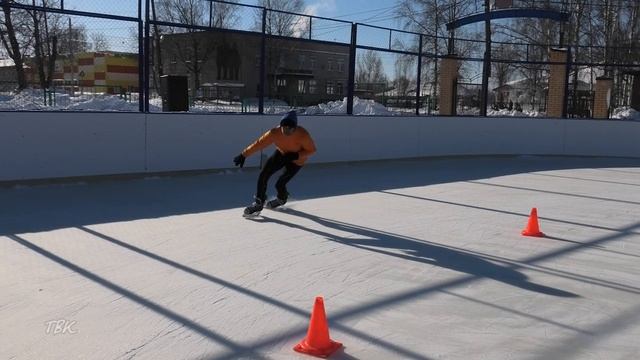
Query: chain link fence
{"type": "Point", "coordinates": [219, 56]}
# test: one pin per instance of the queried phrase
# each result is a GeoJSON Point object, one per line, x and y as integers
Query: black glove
{"type": "Point", "coordinates": [239, 160]}
{"type": "Point", "coordinates": [291, 156]}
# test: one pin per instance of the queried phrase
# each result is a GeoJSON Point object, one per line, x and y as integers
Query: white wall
{"type": "Point", "coordinates": [602, 138]}
{"type": "Point", "coordinates": [190, 142]}
{"type": "Point", "coordinates": [46, 145]}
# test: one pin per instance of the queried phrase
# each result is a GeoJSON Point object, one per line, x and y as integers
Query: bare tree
{"type": "Point", "coordinates": [46, 29]}
{"type": "Point", "coordinates": [404, 80]}
{"type": "Point", "coordinates": [282, 23]}
{"type": "Point", "coordinates": [502, 70]}
{"type": "Point", "coordinates": [578, 12]}
{"type": "Point", "coordinates": [225, 16]}
{"type": "Point", "coordinates": [196, 12]}
{"type": "Point", "coordinates": [100, 42]}
{"type": "Point", "coordinates": [73, 38]}
{"type": "Point", "coordinates": [9, 37]}
{"type": "Point", "coordinates": [430, 17]}
{"type": "Point", "coordinates": [194, 49]}
{"type": "Point", "coordinates": [369, 68]}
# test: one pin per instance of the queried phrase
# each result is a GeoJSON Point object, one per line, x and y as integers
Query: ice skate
{"type": "Point", "coordinates": [254, 209]}
{"type": "Point", "coordinates": [275, 203]}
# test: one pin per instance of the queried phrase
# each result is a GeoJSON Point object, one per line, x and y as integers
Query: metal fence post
{"type": "Point", "coordinates": [263, 62]}
{"type": "Point", "coordinates": [486, 68]}
{"type": "Point", "coordinates": [419, 76]}
{"type": "Point", "coordinates": [210, 13]}
{"type": "Point", "coordinates": [145, 68]}
{"type": "Point", "coordinates": [141, 65]}
{"type": "Point", "coordinates": [565, 101]}
{"type": "Point", "coordinates": [352, 68]}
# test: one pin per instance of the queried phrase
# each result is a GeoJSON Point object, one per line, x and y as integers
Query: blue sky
{"type": "Point", "coordinates": [374, 12]}
{"type": "Point", "coordinates": [119, 34]}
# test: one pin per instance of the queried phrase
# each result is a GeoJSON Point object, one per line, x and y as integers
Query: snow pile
{"type": "Point", "coordinates": [626, 113]}
{"type": "Point", "coordinates": [96, 102]}
{"type": "Point", "coordinates": [360, 107]}
{"type": "Point", "coordinates": [26, 100]}
{"type": "Point", "coordinates": [514, 113]}
{"type": "Point", "coordinates": [34, 99]}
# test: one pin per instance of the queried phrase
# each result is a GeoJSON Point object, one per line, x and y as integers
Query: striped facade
{"type": "Point", "coordinates": [106, 72]}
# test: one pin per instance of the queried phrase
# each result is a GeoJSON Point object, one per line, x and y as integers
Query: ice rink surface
{"type": "Point", "coordinates": [416, 259]}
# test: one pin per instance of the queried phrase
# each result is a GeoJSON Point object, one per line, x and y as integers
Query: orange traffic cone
{"type": "Point", "coordinates": [532, 228]}
{"type": "Point", "coordinates": [317, 342]}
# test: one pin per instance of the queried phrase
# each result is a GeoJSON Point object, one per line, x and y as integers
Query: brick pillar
{"type": "Point", "coordinates": [448, 77]}
{"type": "Point", "coordinates": [557, 79]}
{"type": "Point", "coordinates": [603, 98]}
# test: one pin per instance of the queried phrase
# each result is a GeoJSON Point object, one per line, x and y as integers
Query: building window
{"type": "Point", "coordinates": [301, 61]}
{"type": "Point", "coordinates": [173, 64]}
{"type": "Point", "coordinates": [312, 62]}
{"type": "Point", "coordinates": [339, 88]}
{"type": "Point", "coordinates": [313, 87]}
{"type": "Point", "coordinates": [341, 65]}
{"type": "Point", "coordinates": [330, 89]}
{"type": "Point", "coordinates": [330, 65]}
{"type": "Point", "coordinates": [282, 82]}
{"type": "Point", "coordinates": [301, 86]}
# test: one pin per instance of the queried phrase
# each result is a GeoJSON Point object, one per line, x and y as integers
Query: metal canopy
{"type": "Point", "coordinates": [510, 13]}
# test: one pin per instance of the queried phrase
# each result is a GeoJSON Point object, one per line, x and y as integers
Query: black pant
{"type": "Point", "coordinates": [273, 164]}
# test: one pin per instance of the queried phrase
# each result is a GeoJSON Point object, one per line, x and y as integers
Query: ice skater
{"type": "Point", "coordinates": [294, 145]}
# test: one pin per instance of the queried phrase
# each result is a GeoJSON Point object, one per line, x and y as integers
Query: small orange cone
{"type": "Point", "coordinates": [532, 228]}
{"type": "Point", "coordinates": [317, 342]}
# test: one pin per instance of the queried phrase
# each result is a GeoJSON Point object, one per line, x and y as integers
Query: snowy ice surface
{"type": "Point", "coordinates": [416, 259]}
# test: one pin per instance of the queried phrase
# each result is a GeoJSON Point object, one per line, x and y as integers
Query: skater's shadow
{"type": "Point", "coordinates": [418, 251]}
{"type": "Point", "coordinates": [107, 200]}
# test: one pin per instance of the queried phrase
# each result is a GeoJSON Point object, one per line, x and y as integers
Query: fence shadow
{"type": "Point", "coordinates": [423, 252]}
{"type": "Point", "coordinates": [48, 207]}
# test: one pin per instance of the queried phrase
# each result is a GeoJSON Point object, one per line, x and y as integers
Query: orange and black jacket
{"type": "Point", "coordinates": [299, 141]}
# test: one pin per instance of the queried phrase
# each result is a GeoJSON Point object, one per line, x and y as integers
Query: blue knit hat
{"type": "Point", "coordinates": [290, 119]}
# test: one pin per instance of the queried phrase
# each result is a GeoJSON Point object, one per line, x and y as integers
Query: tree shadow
{"type": "Point", "coordinates": [134, 297]}
{"type": "Point", "coordinates": [41, 208]}
{"type": "Point", "coordinates": [417, 251]}
{"type": "Point", "coordinates": [405, 353]}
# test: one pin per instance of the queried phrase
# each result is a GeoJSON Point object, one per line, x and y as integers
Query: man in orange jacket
{"type": "Point", "coordinates": [293, 147]}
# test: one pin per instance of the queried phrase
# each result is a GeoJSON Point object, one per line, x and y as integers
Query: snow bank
{"type": "Point", "coordinates": [626, 113]}
{"type": "Point", "coordinates": [34, 99]}
{"type": "Point", "coordinates": [360, 107]}
{"type": "Point", "coordinates": [514, 113]}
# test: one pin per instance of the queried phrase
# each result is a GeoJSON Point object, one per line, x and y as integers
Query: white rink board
{"type": "Point", "coordinates": [48, 145]}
